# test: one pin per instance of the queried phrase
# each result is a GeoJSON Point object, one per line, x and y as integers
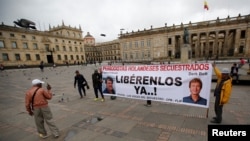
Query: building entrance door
{"type": "Point", "coordinates": [50, 59]}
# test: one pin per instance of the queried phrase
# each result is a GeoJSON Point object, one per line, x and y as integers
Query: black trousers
{"type": "Point", "coordinates": [80, 89]}
{"type": "Point", "coordinates": [96, 89]}
{"type": "Point", "coordinates": [149, 102]}
{"type": "Point", "coordinates": [236, 75]}
{"type": "Point", "coordinates": [218, 108]}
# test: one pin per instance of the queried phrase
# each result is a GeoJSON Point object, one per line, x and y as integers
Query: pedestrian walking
{"type": "Point", "coordinates": [41, 66]}
{"type": "Point", "coordinates": [36, 104]}
{"type": "Point", "coordinates": [81, 83]}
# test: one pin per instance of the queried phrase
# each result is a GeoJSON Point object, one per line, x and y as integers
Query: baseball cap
{"type": "Point", "coordinates": [36, 81]}
{"type": "Point", "coordinates": [225, 71]}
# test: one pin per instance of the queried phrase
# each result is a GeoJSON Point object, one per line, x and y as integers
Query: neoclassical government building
{"type": "Point", "coordinates": [220, 38]}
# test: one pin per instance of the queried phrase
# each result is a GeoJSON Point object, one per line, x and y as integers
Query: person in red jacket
{"type": "Point", "coordinates": [36, 104]}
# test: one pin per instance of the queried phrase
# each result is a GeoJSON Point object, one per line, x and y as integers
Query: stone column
{"type": "Point", "coordinates": [225, 47]}
{"type": "Point", "coordinates": [197, 50]}
{"type": "Point", "coordinates": [237, 42]}
{"type": "Point", "coordinates": [247, 47]}
{"type": "Point", "coordinates": [207, 45]}
{"type": "Point", "coordinates": [216, 44]}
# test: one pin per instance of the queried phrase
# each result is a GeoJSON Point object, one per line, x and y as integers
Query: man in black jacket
{"type": "Point", "coordinates": [234, 72]}
{"type": "Point", "coordinates": [81, 82]}
{"type": "Point", "coordinates": [97, 84]}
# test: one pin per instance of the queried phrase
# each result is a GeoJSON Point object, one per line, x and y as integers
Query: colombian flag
{"type": "Point", "coordinates": [205, 5]}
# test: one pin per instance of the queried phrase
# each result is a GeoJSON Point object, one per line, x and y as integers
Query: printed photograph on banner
{"type": "Point", "coordinates": [108, 85]}
{"type": "Point", "coordinates": [194, 95]}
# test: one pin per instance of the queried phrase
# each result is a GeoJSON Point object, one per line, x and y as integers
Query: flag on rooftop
{"type": "Point", "coordinates": [205, 5]}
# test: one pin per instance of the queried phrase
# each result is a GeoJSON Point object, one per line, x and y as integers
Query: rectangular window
{"type": "Point", "coordinates": [57, 48]}
{"type": "Point", "coordinates": [33, 37]}
{"type": "Point", "coordinates": [17, 56]}
{"type": "Point", "coordinates": [38, 57]}
{"type": "Point", "coordinates": [5, 57]}
{"type": "Point", "coordinates": [169, 41]}
{"type": "Point", "coordinates": [1, 44]}
{"type": "Point", "coordinates": [25, 45]}
{"type": "Point", "coordinates": [12, 35]}
{"type": "Point", "coordinates": [70, 48]}
{"type": "Point", "coordinates": [23, 36]}
{"type": "Point", "coordinates": [14, 45]}
{"type": "Point", "coordinates": [59, 57]}
{"type": "Point", "coordinates": [130, 45]}
{"type": "Point", "coordinates": [136, 55]}
{"type": "Point", "coordinates": [243, 34]}
{"type": "Point", "coordinates": [148, 54]}
{"type": "Point", "coordinates": [71, 57]}
{"type": "Point", "coordinates": [27, 57]}
{"type": "Point", "coordinates": [142, 43]}
{"type": "Point", "coordinates": [64, 48]}
{"type": "Point", "coordinates": [35, 47]}
{"type": "Point", "coordinates": [148, 43]}
{"type": "Point", "coordinates": [46, 47]}
{"type": "Point", "coordinates": [136, 44]}
{"type": "Point", "coordinates": [76, 49]}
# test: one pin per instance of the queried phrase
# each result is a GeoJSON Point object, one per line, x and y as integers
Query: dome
{"type": "Point", "coordinates": [89, 39]}
{"type": "Point", "coordinates": [88, 35]}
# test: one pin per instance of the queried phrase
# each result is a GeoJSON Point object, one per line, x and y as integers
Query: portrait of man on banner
{"type": "Point", "coordinates": [195, 87]}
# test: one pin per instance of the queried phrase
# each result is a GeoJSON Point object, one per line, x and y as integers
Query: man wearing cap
{"type": "Point", "coordinates": [222, 92]}
{"type": "Point", "coordinates": [36, 104]}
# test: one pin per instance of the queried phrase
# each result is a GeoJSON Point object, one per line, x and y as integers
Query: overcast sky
{"type": "Point", "coordinates": [109, 16]}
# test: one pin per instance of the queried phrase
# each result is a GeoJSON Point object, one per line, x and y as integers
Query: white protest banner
{"type": "Point", "coordinates": [187, 84]}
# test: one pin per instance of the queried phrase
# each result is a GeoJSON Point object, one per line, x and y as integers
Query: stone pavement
{"type": "Point", "coordinates": [113, 120]}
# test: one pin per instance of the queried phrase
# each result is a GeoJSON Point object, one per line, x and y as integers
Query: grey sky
{"type": "Point", "coordinates": [109, 16]}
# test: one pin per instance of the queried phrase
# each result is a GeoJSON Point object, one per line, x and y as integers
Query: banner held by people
{"type": "Point", "coordinates": [187, 84]}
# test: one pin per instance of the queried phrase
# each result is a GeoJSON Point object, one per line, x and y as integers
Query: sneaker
{"type": "Point", "coordinates": [56, 136]}
{"type": "Point", "coordinates": [95, 99]}
{"type": "Point", "coordinates": [43, 136]}
{"type": "Point", "coordinates": [102, 100]}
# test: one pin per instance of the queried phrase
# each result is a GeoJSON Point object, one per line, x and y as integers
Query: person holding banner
{"type": "Point", "coordinates": [97, 84]}
{"type": "Point", "coordinates": [222, 92]}
{"type": "Point", "coordinates": [109, 87]}
{"type": "Point", "coordinates": [195, 86]}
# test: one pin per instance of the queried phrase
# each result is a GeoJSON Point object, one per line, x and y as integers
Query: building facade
{"type": "Point", "coordinates": [59, 45]}
{"type": "Point", "coordinates": [220, 38]}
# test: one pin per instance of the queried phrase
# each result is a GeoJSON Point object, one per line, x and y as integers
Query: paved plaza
{"type": "Point", "coordinates": [113, 120]}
